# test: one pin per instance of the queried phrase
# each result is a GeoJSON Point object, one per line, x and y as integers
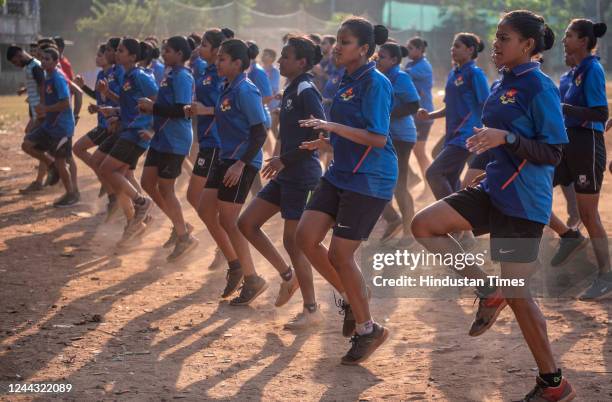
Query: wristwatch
{"type": "Point", "coordinates": [510, 138]}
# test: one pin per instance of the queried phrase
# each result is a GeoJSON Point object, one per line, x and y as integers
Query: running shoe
{"type": "Point", "coordinates": [287, 289]}
{"type": "Point", "coordinates": [132, 230]}
{"type": "Point", "coordinates": [251, 288]}
{"type": "Point", "coordinates": [305, 320]}
{"type": "Point", "coordinates": [67, 200]}
{"type": "Point", "coordinates": [393, 229]}
{"type": "Point", "coordinates": [542, 392]}
{"type": "Point", "coordinates": [489, 308]}
{"type": "Point", "coordinates": [362, 346]}
{"type": "Point", "coordinates": [601, 286]}
{"type": "Point", "coordinates": [141, 211]}
{"type": "Point", "coordinates": [52, 176]}
{"type": "Point", "coordinates": [182, 248]}
{"type": "Point", "coordinates": [233, 279]}
{"type": "Point", "coordinates": [568, 247]}
{"type": "Point", "coordinates": [173, 236]}
{"type": "Point", "coordinates": [573, 222]}
{"type": "Point", "coordinates": [112, 207]}
{"type": "Point", "coordinates": [348, 323]}
{"type": "Point", "coordinates": [217, 260]}
{"type": "Point", "coordinates": [33, 187]}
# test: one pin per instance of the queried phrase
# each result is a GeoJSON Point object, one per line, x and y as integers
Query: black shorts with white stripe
{"type": "Point", "coordinates": [236, 194]}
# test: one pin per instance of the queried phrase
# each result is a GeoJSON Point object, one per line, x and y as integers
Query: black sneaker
{"type": "Point", "coordinates": [362, 346]}
{"type": "Point", "coordinates": [392, 229]}
{"type": "Point", "coordinates": [173, 236]}
{"type": "Point", "coordinates": [251, 288]}
{"type": "Point", "coordinates": [52, 176]}
{"type": "Point", "coordinates": [542, 392]}
{"type": "Point", "coordinates": [568, 246]}
{"type": "Point", "coordinates": [489, 308]}
{"type": "Point", "coordinates": [67, 200]}
{"type": "Point", "coordinates": [233, 278]}
{"type": "Point", "coordinates": [141, 211]}
{"type": "Point", "coordinates": [33, 187]}
{"type": "Point", "coordinates": [601, 286]}
{"type": "Point", "coordinates": [182, 248]}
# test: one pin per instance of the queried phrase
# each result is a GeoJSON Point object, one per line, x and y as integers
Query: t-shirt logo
{"type": "Point", "coordinates": [578, 80]}
{"type": "Point", "coordinates": [509, 96]}
{"type": "Point", "coordinates": [126, 86]}
{"type": "Point", "coordinates": [347, 95]}
{"type": "Point", "coordinates": [289, 104]}
{"type": "Point", "coordinates": [225, 105]}
{"type": "Point", "coordinates": [164, 83]}
{"type": "Point", "coordinates": [207, 80]}
{"type": "Point", "coordinates": [49, 89]}
{"type": "Point", "coordinates": [459, 81]}
{"type": "Point", "coordinates": [583, 181]}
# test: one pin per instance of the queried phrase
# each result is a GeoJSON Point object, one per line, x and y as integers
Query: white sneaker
{"type": "Point", "coordinates": [305, 320]}
{"type": "Point", "coordinates": [287, 289]}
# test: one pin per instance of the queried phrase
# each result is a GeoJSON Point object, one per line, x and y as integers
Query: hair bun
{"type": "Point", "coordinates": [424, 43]}
{"type": "Point", "coordinates": [252, 49]}
{"type": "Point", "coordinates": [381, 34]}
{"type": "Point", "coordinates": [480, 47]}
{"type": "Point", "coordinates": [549, 37]}
{"type": "Point", "coordinates": [228, 33]}
{"type": "Point", "coordinates": [599, 29]}
{"type": "Point", "coordinates": [404, 51]}
{"type": "Point", "coordinates": [318, 55]}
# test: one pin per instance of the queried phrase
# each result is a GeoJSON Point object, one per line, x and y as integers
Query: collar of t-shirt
{"type": "Point", "coordinates": [520, 69]}
{"type": "Point", "coordinates": [413, 63]}
{"type": "Point", "coordinates": [465, 67]}
{"type": "Point", "coordinates": [585, 63]}
{"type": "Point", "coordinates": [296, 81]}
{"type": "Point", "coordinates": [393, 72]}
{"type": "Point", "coordinates": [360, 72]}
{"type": "Point", "coordinates": [231, 85]}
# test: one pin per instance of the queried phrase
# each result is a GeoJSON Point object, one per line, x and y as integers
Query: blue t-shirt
{"type": "Point", "coordinates": [564, 82]}
{"type": "Point", "coordinates": [364, 101]}
{"type": "Point", "coordinates": [526, 102]}
{"type": "Point", "coordinates": [198, 66]}
{"type": "Point", "coordinates": [137, 84]}
{"type": "Point", "coordinates": [58, 124]}
{"type": "Point", "coordinates": [466, 91]}
{"type": "Point", "coordinates": [114, 78]}
{"type": "Point", "coordinates": [273, 74]}
{"type": "Point", "coordinates": [159, 70]}
{"type": "Point", "coordinates": [422, 75]}
{"type": "Point", "coordinates": [587, 88]}
{"type": "Point", "coordinates": [301, 99]}
{"type": "Point", "coordinates": [404, 91]}
{"type": "Point", "coordinates": [239, 108]}
{"type": "Point", "coordinates": [207, 90]}
{"type": "Point", "coordinates": [174, 135]}
{"type": "Point", "coordinates": [257, 75]}
{"type": "Point", "coordinates": [331, 88]}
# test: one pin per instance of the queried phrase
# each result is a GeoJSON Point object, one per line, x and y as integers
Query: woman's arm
{"type": "Point", "coordinates": [357, 135]}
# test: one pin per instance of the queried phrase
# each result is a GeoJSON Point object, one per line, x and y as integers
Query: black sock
{"type": "Point", "coordinates": [287, 275]}
{"type": "Point", "coordinates": [233, 265]}
{"type": "Point", "coordinates": [571, 234]}
{"type": "Point", "coordinates": [552, 379]}
{"type": "Point", "coordinates": [311, 307]}
{"type": "Point", "coordinates": [140, 200]}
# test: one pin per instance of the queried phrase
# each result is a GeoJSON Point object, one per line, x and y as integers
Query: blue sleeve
{"type": "Point", "coordinates": [263, 83]}
{"type": "Point", "coordinates": [421, 71]}
{"type": "Point", "coordinates": [275, 81]}
{"type": "Point", "coordinates": [148, 85]}
{"type": "Point", "coordinates": [183, 88]}
{"type": "Point", "coordinates": [376, 106]}
{"type": "Point", "coordinates": [595, 87]}
{"type": "Point", "coordinates": [311, 102]}
{"type": "Point", "coordinates": [61, 87]}
{"type": "Point", "coordinates": [250, 104]}
{"type": "Point", "coordinates": [480, 86]}
{"type": "Point", "coordinates": [547, 118]}
{"type": "Point", "coordinates": [405, 89]}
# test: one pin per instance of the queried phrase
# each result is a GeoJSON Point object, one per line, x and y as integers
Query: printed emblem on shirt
{"type": "Point", "coordinates": [49, 89]}
{"type": "Point", "coordinates": [508, 97]}
{"type": "Point", "coordinates": [347, 95]}
{"type": "Point", "coordinates": [578, 80]}
{"type": "Point", "coordinates": [583, 181]}
{"type": "Point", "coordinates": [459, 81]}
{"type": "Point", "coordinates": [207, 80]}
{"type": "Point", "coordinates": [163, 83]}
{"type": "Point", "coordinates": [201, 162]}
{"type": "Point", "coordinates": [127, 86]}
{"type": "Point", "coordinates": [225, 105]}
{"type": "Point", "coordinates": [289, 104]}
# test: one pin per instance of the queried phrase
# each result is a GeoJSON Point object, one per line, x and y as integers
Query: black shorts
{"type": "Point", "coordinates": [97, 135]}
{"type": "Point", "coordinates": [57, 147]}
{"type": "Point", "coordinates": [355, 214]}
{"type": "Point", "coordinates": [236, 194]}
{"type": "Point", "coordinates": [583, 162]}
{"type": "Point", "coordinates": [126, 151]}
{"type": "Point", "coordinates": [207, 157]}
{"type": "Point", "coordinates": [512, 239]}
{"type": "Point", "coordinates": [479, 162]}
{"type": "Point", "coordinates": [423, 128]}
{"type": "Point", "coordinates": [168, 165]}
{"type": "Point", "coordinates": [291, 199]}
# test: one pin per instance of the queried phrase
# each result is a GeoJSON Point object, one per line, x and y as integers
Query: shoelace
{"type": "Point", "coordinates": [339, 302]}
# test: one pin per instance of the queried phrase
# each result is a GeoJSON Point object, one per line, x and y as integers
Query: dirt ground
{"type": "Point", "coordinates": [133, 327]}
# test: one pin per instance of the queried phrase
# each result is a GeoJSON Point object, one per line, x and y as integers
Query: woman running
{"type": "Point", "coordinates": [585, 108]}
{"type": "Point", "coordinates": [240, 119]}
{"type": "Point", "coordinates": [294, 174]}
{"type": "Point", "coordinates": [523, 132]}
{"type": "Point", "coordinates": [359, 182]}
{"type": "Point", "coordinates": [171, 142]}
{"type": "Point", "coordinates": [123, 149]}
{"type": "Point", "coordinates": [466, 91]}
{"type": "Point", "coordinates": [404, 136]}
{"type": "Point", "coordinates": [419, 69]}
